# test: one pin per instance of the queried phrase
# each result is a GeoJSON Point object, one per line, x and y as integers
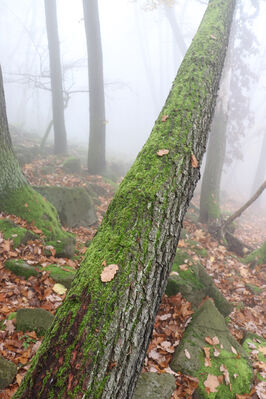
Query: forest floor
{"type": "Point", "coordinates": [240, 284]}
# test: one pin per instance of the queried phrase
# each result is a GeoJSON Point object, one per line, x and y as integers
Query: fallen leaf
{"type": "Point", "coordinates": [59, 289]}
{"type": "Point", "coordinates": [109, 272]}
{"type": "Point", "coordinates": [164, 118]}
{"type": "Point", "coordinates": [163, 152]}
{"type": "Point", "coordinates": [194, 161]}
{"type": "Point", "coordinates": [10, 326]}
{"type": "Point", "coordinates": [187, 354]}
{"type": "Point", "coordinates": [207, 360]}
{"type": "Point", "coordinates": [216, 353]}
{"type": "Point", "coordinates": [233, 350]}
{"type": "Point", "coordinates": [211, 383]}
{"type": "Point", "coordinates": [213, 37]}
{"type": "Point", "coordinates": [225, 372]}
{"type": "Point", "coordinates": [215, 340]}
{"type": "Point", "coordinates": [209, 340]}
{"type": "Point", "coordinates": [262, 349]}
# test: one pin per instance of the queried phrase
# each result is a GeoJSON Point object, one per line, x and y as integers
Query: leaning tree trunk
{"type": "Point", "coordinates": [18, 198]}
{"type": "Point", "coordinates": [96, 154]}
{"type": "Point", "coordinates": [97, 343]}
{"type": "Point", "coordinates": [60, 137]}
{"type": "Point", "coordinates": [261, 167]}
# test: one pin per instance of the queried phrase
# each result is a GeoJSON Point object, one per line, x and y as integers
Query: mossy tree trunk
{"type": "Point", "coordinates": [96, 154]}
{"type": "Point", "coordinates": [97, 343]}
{"type": "Point", "coordinates": [60, 137]}
{"type": "Point", "coordinates": [18, 198]}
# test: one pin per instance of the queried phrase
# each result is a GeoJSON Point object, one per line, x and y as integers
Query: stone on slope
{"type": "Point", "coordinates": [8, 372]}
{"type": "Point", "coordinates": [190, 359]}
{"type": "Point", "coordinates": [21, 268]}
{"type": "Point", "coordinates": [154, 386]}
{"type": "Point", "coordinates": [195, 284]}
{"type": "Point", "coordinates": [38, 320]}
{"type": "Point", "coordinates": [73, 204]}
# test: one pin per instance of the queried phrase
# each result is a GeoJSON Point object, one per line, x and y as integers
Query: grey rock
{"type": "Point", "coordinates": [154, 386]}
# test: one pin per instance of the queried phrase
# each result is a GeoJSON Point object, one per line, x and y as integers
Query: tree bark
{"type": "Point", "coordinates": [60, 137]}
{"type": "Point", "coordinates": [96, 154]}
{"type": "Point", "coordinates": [11, 177]}
{"type": "Point", "coordinates": [97, 343]}
{"type": "Point", "coordinates": [261, 167]}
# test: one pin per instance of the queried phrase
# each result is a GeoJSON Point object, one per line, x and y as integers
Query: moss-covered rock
{"type": "Point", "coordinates": [8, 372]}
{"type": "Point", "coordinates": [195, 284]}
{"type": "Point", "coordinates": [255, 346]}
{"type": "Point", "coordinates": [73, 204]}
{"type": "Point", "coordinates": [258, 256]}
{"type": "Point", "coordinates": [21, 268]}
{"type": "Point", "coordinates": [38, 320]}
{"type": "Point", "coordinates": [35, 209]}
{"type": "Point", "coordinates": [72, 165]}
{"type": "Point", "coordinates": [17, 234]}
{"type": "Point", "coordinates": [154, 386]}
{"type": "Point", "coordinates": [208, 322]}
{"type": "Point", "coordinates": [61, 276]}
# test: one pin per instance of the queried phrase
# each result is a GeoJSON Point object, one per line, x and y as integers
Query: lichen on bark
{"type": "Point", "coordinates": [96, 346]}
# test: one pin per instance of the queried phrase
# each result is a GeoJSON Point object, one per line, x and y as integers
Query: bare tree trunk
{"type": "Point", "coordinates": [96, 154]}
{"type": "Point", "coordinates": [96, 346]}
{"type": "Point", "coordinates": [60, 137]}
{"type": "Point", "coordinates": [261, 167]}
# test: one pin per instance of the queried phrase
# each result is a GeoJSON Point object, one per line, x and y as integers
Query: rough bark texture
{"type": "Point", "coordinates": [60, 137]}
{"type": "Point", "coordinates": [10, 173]}
{"type": "Point", "coordinates": [96, 345]}
{"type": "Point", "coordinates": [96, 155]}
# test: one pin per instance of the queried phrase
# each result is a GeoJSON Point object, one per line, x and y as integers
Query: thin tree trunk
{"type": "Point", "coordinates": [169, 12]}
{"type": "Point", "coordinates": [97, 343]}
{"type": "Point", "coordinates": [60, 137]}
{"type": "Point", "coordinates": [96, 154]}
{"type": "Point", "coordinates": [261, 167]}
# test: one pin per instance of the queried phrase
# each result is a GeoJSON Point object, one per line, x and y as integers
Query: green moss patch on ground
{"type": "Point", "coordinates": [17, 234]}
{"type": "Point", "coordinates": [255, 346]}
{"type": "Point", "coordinates": [21, 268]}
{"type": "Point", "coordinates": [61, 276]}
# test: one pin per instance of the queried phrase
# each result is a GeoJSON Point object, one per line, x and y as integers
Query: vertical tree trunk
{"type": "Point", "coordinates": [211, 180]}
{"type": "Point", "coordinates": [96, 154]}
{"type": "Point", "coordinates": [261, 167]}
{"type": "Point", "coordinates": [97, 343]}
{"type": "Point", "coordinates": [11, 177]}
{"type": "Point", "coordinates": [18, 198]}
{"type": "Point", "coordinates": [60, 137]}
{"type": "Point", "coordinates": [169, 12]}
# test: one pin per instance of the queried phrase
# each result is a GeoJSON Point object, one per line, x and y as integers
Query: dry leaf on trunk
{"type": "Point", "coordinates": [194, 161]}
{"type": "Point", "coordinates": [108, 273]}
{"type": "Point", "coordinates": [162, 152]}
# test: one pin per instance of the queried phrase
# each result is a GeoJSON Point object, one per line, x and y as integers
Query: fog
{"type": "Point", "coordinates": [141, 57]}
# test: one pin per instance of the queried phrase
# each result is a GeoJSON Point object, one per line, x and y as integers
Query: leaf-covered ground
{"type": "Point", "coordinates": [240, 284]}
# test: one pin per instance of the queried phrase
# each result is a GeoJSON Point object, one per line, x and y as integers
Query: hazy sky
{"type": "Point", "coordinates": [141, 59]}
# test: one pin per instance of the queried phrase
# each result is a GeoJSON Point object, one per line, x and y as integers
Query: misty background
{"type": "Point", "coordinates": [141, 56]}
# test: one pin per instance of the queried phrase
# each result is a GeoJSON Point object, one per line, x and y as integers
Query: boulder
{"type": "Point", "coordinates": [194, 285]}
{"type": "Point", "coordinates": [154, 386]}
{"type": "Point", "coordinates": [38, 320]}
{"type": "Point", "coordinates": [61, 276]}
{"type": "Point", "coordinates": [21, 268]}
{"type": "Point", "coordinates": [8, 372]}
{"type": "Point", "coordinates": [225, 356]}
{"type": "Point", "coordinates": [72, 165]}
{"type": "Point", "coordinates": [73, 204]}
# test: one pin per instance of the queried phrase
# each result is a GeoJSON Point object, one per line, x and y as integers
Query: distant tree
{"type": "Point", "coordinates": [261, 166]}
{"type": "Point", "coordinates": [96, 154]}
{"type": "Point", "coordinates": [232, 105]}
{"type": "Point", "coordinates": [60, 136]}
{"type": "Point", "coordinates": [18, 198]}
{"type": "Point", "coordinates": [97, 343]}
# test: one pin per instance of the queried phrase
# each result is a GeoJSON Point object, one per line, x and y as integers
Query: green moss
{"type": "Point", "coordinates": [239, 367]}
{"type": "Point", "coordinates": [21, 268]}
{"type": "Point", "coordinates": [61, 276]}
{"type": "Point", "coordinates": [35, 209]}
{"type": "Point", "coordinates": [258, 256]}
{"type": "Point", "coordinates": [17, 234]}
